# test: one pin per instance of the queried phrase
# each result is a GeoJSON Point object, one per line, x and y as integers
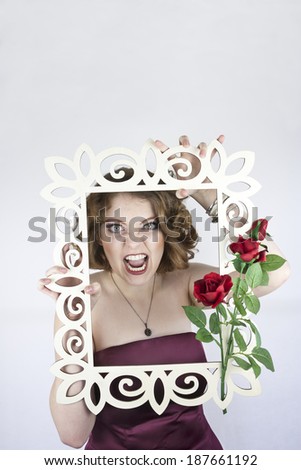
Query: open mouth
{"type": "Point", "coordinates": [136, 264]}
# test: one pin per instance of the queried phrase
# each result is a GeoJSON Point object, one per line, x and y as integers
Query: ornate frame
{"type": "Point", "coordinates": [79, 348]}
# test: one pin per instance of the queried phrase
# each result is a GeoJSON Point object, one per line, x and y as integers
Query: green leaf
{"type": "Point", "coordinates": [254, 275]}
{"type": "Point", "coordinates": [204, 336]}
{"type": "Point", "coordinates": [265, 277]}
{"type": "Point", "coordinates": [242, 363]}
{"type": "Point", "coordinates": [272, 262]}
{"type": "Point", "coordinates": [239, 265]}
{"type": "Point", "coordinates": [239, 305]}
{"type": "Point", "coordinates": [196, 315]}
{"type": "Point", "coordinates": [254, 233]}
{"type": "Point", "coordinates": [252, 303]}
{"type": "Point", "coordinates": [263, 356]}
{"type": "Point", "coordinates": [255, 331]}
{"type": "Point", "coordinates": [256, 367]}
{"type": "Point", "coordinates": [214, 324]}
{"type": "Point", "coordinates": [236, 322]}
{"type": "Point", "coordinates": [220, 308]}
{"type": "Point", "coordinates": [240, 341]}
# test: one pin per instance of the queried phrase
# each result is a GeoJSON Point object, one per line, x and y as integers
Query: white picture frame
{"type": "Point", "coordinates": [78, 350]}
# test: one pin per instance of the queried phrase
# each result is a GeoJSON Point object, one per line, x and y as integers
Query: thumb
{"type": "Point", "coordinates": [183, 193]}
{"type": "Point", "coordinates": [94, 290]}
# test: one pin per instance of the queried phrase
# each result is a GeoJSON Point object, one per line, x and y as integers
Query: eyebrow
{"type": "Point", "coordinates": [121, 220]}
{"type": "Point", "coordinates": [113, 219]}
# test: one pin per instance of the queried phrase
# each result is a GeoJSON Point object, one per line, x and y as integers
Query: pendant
{"type": "Point", "coordinates": [147, 332]}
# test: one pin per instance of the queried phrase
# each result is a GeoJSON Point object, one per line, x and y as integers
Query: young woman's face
{"type": "Point", "coordinates": [131, 239]}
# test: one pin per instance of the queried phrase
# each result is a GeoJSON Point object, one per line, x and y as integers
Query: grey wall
{"type": "Point", "coordinates": [114, 73]}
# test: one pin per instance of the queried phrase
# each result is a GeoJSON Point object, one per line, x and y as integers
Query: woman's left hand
{"type": "Point", "coordinates": [205, 196]}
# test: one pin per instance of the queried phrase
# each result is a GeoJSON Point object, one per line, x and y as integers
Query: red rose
{"type": "Point", "coordinates": [262, 256]}
{"type": "Point", "coordinates": [258, 229]}
{"type": "Point", "coordinates": [248, 249]}
{"type": "Point", "coordinates": [212, 289]}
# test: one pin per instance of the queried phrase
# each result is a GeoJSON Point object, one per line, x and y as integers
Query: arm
{"type": "Point", "coordinates": [74, 422]}
{"type": "Point", "coordinates": [206, 198]}
{"type": "Point", "coordinates": [276, 278]}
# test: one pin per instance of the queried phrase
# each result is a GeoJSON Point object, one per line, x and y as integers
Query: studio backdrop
{"type": "Point", "coordinates": [116, 73]}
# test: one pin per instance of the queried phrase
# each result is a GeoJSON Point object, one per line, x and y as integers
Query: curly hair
{"type": "Point", "coordinates": [174, 219]}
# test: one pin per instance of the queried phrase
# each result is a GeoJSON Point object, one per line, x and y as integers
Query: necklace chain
{"type": "Point", "coordinates": [147, 331]}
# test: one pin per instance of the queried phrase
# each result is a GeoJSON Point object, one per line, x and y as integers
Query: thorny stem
{"type": "Point", "coordinates": [225, 357]}
{"type": "Point", "coordinates": [224, 366]}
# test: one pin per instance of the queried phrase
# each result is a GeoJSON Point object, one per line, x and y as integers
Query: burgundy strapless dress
{"type": "Point", "coordinates": [179, 427]}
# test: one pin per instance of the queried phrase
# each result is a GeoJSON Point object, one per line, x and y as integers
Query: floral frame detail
{"type": "Point", "coordinates": [73, 305]}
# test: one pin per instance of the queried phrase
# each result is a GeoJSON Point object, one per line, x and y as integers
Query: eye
{"type": "Point", "coordinates": [114, 228]}
{"type": "Point", "coordinates": [152, 225]}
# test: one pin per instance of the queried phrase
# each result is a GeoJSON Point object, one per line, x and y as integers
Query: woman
{"type": "Point", "coordinates": [142, 246]}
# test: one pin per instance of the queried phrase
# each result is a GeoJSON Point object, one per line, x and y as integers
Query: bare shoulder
{"type": "Point", "coordinates": [95, 276]}
{"type": "Point", "coordinates": [101, 278]}
{"type": "Point", "coordinates": [192, 273]}
{"type": "Point", "coordinates": [198, 270]}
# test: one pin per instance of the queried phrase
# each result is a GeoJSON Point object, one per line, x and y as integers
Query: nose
{"type": "Point", "coordinates": [134, 238]}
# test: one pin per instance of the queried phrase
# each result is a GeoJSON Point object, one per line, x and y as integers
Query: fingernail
{"type": "Point", "coordinates": [63, 270]}
{"type": "Point", "coordinates": [179, 194]}
{"type": "Point", "coordinates": [88, 290]}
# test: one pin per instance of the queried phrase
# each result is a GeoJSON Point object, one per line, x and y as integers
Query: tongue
{"type": "Point", "coordinates": [136, 263]}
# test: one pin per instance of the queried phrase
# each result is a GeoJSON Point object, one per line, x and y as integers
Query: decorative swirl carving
{"type": "Point", "coordinates": [144, 379]}
{"type": "Point", "coordinates": [181, 383]}
{"type": "Point", "coordinates": [75, 307]}
{"type": "Point", "coordinates": [73, 256]}
{"type": "Point", "coordinates": [71, 342]}
{"type": "Point", "coordinates": [74, 343]}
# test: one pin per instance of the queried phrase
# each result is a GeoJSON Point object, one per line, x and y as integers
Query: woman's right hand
{"type": "Point", "coordinates": [93, 289]}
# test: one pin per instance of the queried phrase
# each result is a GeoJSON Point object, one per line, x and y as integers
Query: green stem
{"type": "Point", "coordinates": [225, 357]}
{"type": "Point", "coordinates": [225, 360]}
{"type": "Point", "coordinates": [224, 366]}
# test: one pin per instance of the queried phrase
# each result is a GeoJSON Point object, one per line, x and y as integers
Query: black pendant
{"type": "Point", "coordinates": [147, 332]}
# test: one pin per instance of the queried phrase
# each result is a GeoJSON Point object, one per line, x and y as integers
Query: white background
{"type": "Point", "coordinates": [114, 73]}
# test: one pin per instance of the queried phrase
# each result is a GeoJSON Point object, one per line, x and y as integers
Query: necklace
{"type": "Point", "coordinates": [147, 331]}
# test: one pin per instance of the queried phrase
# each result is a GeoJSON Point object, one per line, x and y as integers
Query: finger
{"type": "Point", "coordinates": [42, 283]}
{"type": "Point", "coordinates": [161, 146]}
{"type": "Point", "coordinates": [220, 139]}
{"type": "Point", "coordinates": [203, 149]}
{"type": "Point", "coordinates": [56, 270]}
{"type": "Point", "coordinates": [182, 193]}
{"type": "Point", "coordinates": [93, 288]}
{"type": "Point", "coordinates": [184, 140]}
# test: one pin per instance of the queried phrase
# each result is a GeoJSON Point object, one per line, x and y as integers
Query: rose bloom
{"type": "Point", "coordinates": [262, 230]}
{"type": "Point", "coordinates": [212, 289]}
{"type": "Point", "coordinates": [248, 249]}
